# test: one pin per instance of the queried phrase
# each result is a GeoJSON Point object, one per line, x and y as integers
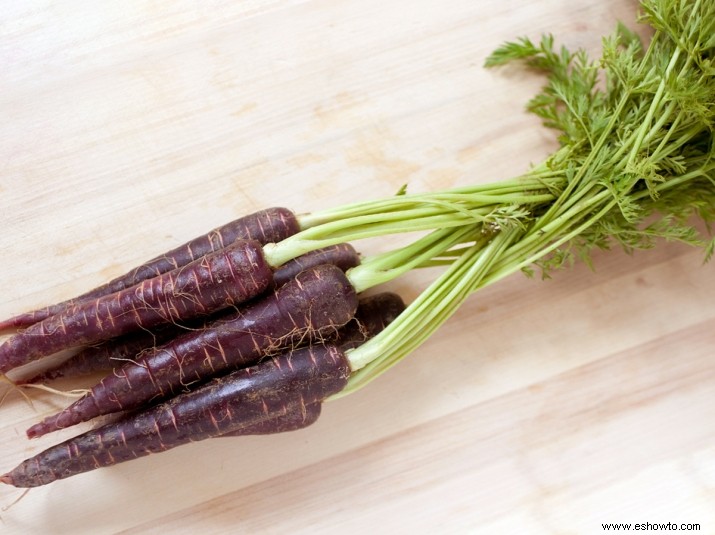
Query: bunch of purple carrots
{"type": "Point", "coordinates": [250, 328]}
{"type": "Point", "coordinates": [206, 340]}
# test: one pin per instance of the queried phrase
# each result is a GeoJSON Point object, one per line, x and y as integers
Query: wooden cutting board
{"type": "Point", "coordinates": [541, 407]}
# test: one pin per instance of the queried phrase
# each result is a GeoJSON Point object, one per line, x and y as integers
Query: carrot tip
{"type": "Point", "coordinates": [14, 323]}
{"type": "Point", "coordinates": [37, 430]}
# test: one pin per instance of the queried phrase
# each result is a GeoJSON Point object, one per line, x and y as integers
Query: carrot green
{"type": "Point", "coordinates": [635, 164]}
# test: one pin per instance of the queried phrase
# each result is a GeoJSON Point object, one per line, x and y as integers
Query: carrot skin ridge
{"type": "Point", "coordinates": [243, 398]}
{"type": "Point", "coordinates": [296, 417]}
{"type": "Point", "coordinates": [227, 277]}
{"type": "Point", "coordinates": [265, 226]}
{"type": "Point", "coordinates": [319, 300]}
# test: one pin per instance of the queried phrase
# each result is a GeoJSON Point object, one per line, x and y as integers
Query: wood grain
{"type": "Point", "coordinates": [541, 407]}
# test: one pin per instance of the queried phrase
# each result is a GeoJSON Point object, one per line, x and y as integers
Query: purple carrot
{"type": "Point", "coordinates": [342, 255]}
{"type": "Point", "coordinates": [316, 302]}
{"type": "Point", "coordinates": [113, 353]}
{"type": "Point", "coordinates": [218, 280]}
{"type": "Point", "coordinates": [265, 226]}
{"type": "Point", "coordinates": [374, 313]}
{"type": "Point", "coordinates": [107, 355]}
{"type": "Point", "coordinates": [246, 397]}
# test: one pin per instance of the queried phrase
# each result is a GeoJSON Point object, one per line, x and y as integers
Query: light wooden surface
{"type": "Point", "coordinates": [541, 407]}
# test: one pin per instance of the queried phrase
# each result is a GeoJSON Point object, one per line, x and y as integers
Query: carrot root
{"type": "Point", "coordinates": [213, 282]}
{"type": "Point", "coordinates": [265, 226]}
{"type": "Point", "coordinates": [317, 302]}
{"type": "Point", "coordinates": [76, 393]}
{"type": "Point", "coordinates": [228, 404]}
